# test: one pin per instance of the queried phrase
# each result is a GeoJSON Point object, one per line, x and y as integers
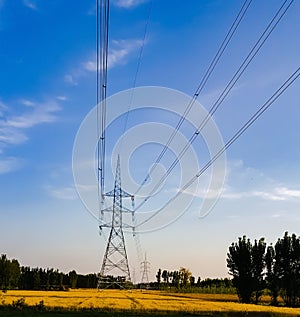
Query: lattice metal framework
{"type": "Point", "coordinates": [115, 259]}
{"type": "Point", "coordinates": [145, 270]}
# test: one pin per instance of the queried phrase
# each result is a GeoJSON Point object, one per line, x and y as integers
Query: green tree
{"type": "Point", "coordinates": [9, 273]}
{"type": "Point", "coordinates": [25, 280]}
{"type": "Point", "coordinates": [60, 279]}
{"type": "Point", "coordinates": [184, 275]}
{"type": "Point", "coordinates": [15, 273]}
{"type": "Point", "coordinates": [158, 277]}
{"type": "Point", "coordinates": [258, 265]}
{"type": "Point", "coordinates": [287, 268]}
{"type": "Point", "coordinates": [4, 277]}
{"type": "Point", "coordinates": [43, 279]}
{"type": "Point", "coordinates": [176, 279]}
{"type": "Point", "coordinates": [272, 277]}
{"type": "Point", "coordinates": [165, 276]}
{"type": "Point", "coordinates": [36, 278]}
{"type": "Point", "coordinates": [73, 279]}
{"type": "Point", "coordinates": [246, 264]}
{"type": "Point", "coordinates": [192, 281]}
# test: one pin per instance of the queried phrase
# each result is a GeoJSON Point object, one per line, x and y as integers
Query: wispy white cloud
{"type": "Point", "coordinates": [30, 4]}
{"type": "Point", "coordinates": [27, 103]}
{"type": "Point", "coordinates": [125, 4]}
{"type": "Point", "coordinates": [92, 10]}
{"type": "Point", "coordinates": [11, 136]}
{"type": "Point", "coordinates": [90, 66]}
{"type": "Point", "coordinates": [62, 98]}
{"type": "Point", "coordinates": [13, 126]}
{"type": "Point", "coordinates": [42, 113]}
{"type": "Point", "coordinates": [128, 3]}
{"type": "Point", "coordinates": [3, 109]}
{"type": "Point", "coordinates": [246, 183]}
{"type": "Point", "coordinates": [9, 164]}
{"type": "Point", "coordinates": [70, 79]}
{"type": "Point", "coordinates": [295, 193]}
{"type": "Point", "coordinates": [119, 54]}
{"type": "Point", "coordinates": [279, 193]}
{"type": "Point", "coordinates": [65, 193]}
{"type": "Point", "coordinates": [121, 50]}
{"type": "Point", "coordinates": [272, 194]}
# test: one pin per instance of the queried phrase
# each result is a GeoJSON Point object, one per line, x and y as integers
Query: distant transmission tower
{"type": "Point", "coordinates": [145, 270]}
{"type": "Point", "coordinates": [115, 259]}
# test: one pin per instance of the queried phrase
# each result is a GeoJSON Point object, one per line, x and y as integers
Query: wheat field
{"type": "Point", "coordinates": [142, 301]}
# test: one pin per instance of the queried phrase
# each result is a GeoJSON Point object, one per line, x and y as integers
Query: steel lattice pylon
{"type": "Point", "coordinates": [145, 268]}
{"type": "Point", "coordinates": [115, 257]}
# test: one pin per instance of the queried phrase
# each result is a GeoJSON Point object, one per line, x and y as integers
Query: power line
{"type": "Point", "coordinates": [137, 70]}
{"type": "Point", "coordinates": [291, 79]}
{"type": "Point", "coordinates": [102, 31]}
{"type": "Point", "coordinates": [135, 234]}
{"type": "Point", "coordinates": [253, 52]}
{"type": "Point", "coordinates": [200, 87]}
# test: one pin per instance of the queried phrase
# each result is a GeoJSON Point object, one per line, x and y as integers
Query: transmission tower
{"type": "Point", "coordinates": [145, 270]}
{"type": "Point", "coordinates": [115, 260]}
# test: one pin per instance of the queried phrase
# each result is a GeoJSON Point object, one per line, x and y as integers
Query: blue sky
{"type": "Point", "coordinates": [47, 87]}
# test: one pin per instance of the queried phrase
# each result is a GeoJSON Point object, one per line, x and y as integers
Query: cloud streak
{"type": "Point", "coordinates": [64, 193]}
{"type": "Point", "coordinates": [13, 127]}
{"type": "Point", "coordinates": [119, 54]}
{"type": "Point", "coordinates": [11, 136]}
{"type": "Point", "coordinates": [249, 183]}
{"type": "Point", "coordinates": [9, 164]}
{"type": "Point", "coordinates": [30, 4]}
{"type": "Point", "coordinates": [128, 3]}
{"type": "Point", "coordinates": [275, 194]}
{"type": "Point", "coordinates": [44, 113]}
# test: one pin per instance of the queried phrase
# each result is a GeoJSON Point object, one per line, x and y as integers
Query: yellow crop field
{"type": "Point", "coordinates": [141, 300]}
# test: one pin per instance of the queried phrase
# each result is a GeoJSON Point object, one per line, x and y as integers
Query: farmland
{"type": "Point", "coordinates": [137, 303]}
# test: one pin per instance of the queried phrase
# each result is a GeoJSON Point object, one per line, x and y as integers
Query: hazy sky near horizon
{"type": "Point", "coordinates": [47, 87]}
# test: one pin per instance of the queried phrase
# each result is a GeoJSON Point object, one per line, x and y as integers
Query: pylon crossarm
{"type": "Point", "coordinates": [125, 194]}
{"type": "Point", "coordinates": [126, 210]}
{"type": "Point", "coordinates": [108, 209]}
{"type": "Point", "coordinates": [109, 194]}
{"type": "Point", "coordinates": [104, 225]}
{"type": "Point", "coordinates": [122, 192]}
{"type": "Point", "coordinates": [126, 226]}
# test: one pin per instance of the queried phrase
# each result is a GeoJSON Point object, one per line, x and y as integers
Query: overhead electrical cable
{"type": "Point", "coordinates": [102, 31]}
{"type": "Point", "coordinates": [102, 24]}
{"type": "Point", "coordinates": [260, 42]}
{"type": "Point", "coordinates": [291, 79]}
{"type": "Point", "coordinates": [137, 71]}
{"type": "Point", "coordinates": [200, 87]}
{"type": "Point", "coordinates": [98, 97]}
{"type": "Point", "coordinates": [143, 41]}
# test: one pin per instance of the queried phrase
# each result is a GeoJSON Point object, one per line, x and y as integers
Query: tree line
{"type": "Point", "coordinates": [184, 281]}
{"type": "Point", "coordinates": [14, 276]}
{"type": "Point", "coordinates": [255, 267]}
